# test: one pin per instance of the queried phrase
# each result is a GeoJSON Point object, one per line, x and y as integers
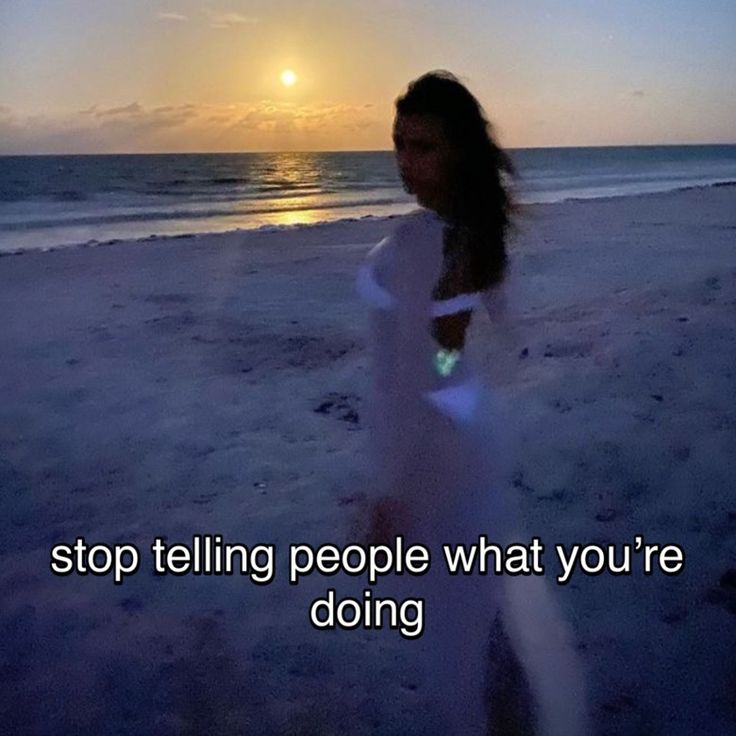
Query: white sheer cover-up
{"type": "Point", "coordinates": [441, 444]}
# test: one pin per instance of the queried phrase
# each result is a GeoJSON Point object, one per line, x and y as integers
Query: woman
{"type": "Point", "coordinates": [439, 452]}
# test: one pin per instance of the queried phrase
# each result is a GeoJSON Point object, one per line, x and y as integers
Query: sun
{"type": "Point", "coordinates": [288, 78]}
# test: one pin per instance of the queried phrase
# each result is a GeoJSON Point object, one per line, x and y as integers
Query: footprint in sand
{"type": "Point", "coordinates": [169, 298]}
{"type": "Point", "coordinates": [563, 407]}
{"type": "Point", "coordinates": [724, 594]}
{"type": "Point", "coordinates": [568, 350]}
{"type": "Point", "coordinates": [308, 351]}
{"type": "Point", "coordinates": [342, 406]}
{"type": "Point", "coordinates": [173, 322]}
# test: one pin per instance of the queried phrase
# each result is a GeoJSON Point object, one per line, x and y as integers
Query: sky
{"type": "Point", "coordinates": [147, 76]}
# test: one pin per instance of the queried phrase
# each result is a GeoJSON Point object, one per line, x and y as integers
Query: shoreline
{"type": "Point", "coordinates": [357, 150]}
{"type": "Point", "coordinates": [300, 227]}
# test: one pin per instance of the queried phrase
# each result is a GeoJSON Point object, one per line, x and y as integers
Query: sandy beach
{"type": "Point", "coordinates": [216, 384]}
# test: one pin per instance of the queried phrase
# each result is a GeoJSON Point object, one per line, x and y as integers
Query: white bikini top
{"type": "Point", "coordinates": [459, 400]}
{"type": "Point", "coordinates": [376, 295]}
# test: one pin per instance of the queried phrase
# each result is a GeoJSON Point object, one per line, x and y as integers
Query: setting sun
{"type": "Point", "coordinates": [288, 78]}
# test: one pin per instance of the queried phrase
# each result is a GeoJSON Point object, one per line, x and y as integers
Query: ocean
{"type": "Point", "coordinates": [47, 201]}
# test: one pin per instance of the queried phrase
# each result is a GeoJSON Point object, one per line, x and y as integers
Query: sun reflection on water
{"type": "Point", "coordinates": [293, 217]}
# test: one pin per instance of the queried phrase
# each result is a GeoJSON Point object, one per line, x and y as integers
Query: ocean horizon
{"type": "Point", "coordinates": [65, 199]}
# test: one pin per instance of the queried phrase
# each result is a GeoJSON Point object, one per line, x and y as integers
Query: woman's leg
{"type": "Point", "coordinates": [543, 642]}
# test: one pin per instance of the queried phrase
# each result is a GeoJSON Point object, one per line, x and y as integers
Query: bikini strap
{"type": "Point", "coordinates": [459, 303]}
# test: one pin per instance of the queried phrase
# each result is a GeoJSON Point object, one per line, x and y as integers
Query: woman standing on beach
{"type": "Point", "coordinates": [439, 437]}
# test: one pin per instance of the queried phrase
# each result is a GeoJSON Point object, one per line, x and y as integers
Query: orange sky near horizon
{"type": "Point", "coordinates": [103, 77]}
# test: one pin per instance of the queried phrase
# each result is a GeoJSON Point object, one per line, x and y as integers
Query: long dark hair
{"type": "Point", "coordinates": [482, 203]}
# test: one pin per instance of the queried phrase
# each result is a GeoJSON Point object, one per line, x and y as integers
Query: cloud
{"type": "Point", "coordinates": [135, 120]}
{"type": "Point", "coordinates": [134, 128]}
{"type": "Point", "coordinates": [227, 20]}
{"type": "Point", "coordinates": [627, 95]}
{"type": "Point", "coordinates": [174, 108]}
{"type": "Point", "coordinates": [287, 116]}
{"type": "Point", "coordinates": [132, 109]}
{"type": "Point", "coordinates": [131, 127]}
{"type": "Point", "coordinates": [176, 17]}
